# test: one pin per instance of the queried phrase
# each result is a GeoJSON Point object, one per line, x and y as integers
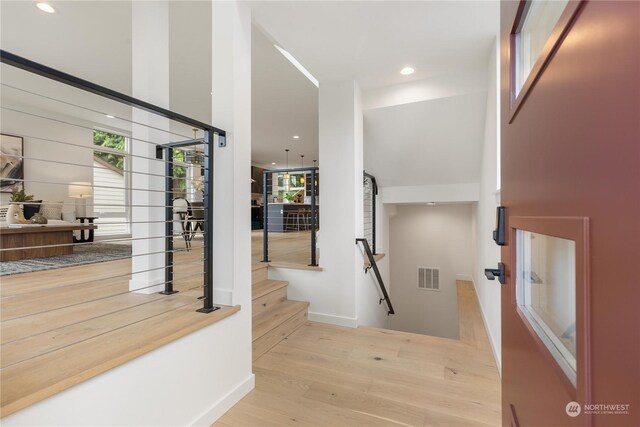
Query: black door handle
{"type": "Point", "coordinates": [491, 273]}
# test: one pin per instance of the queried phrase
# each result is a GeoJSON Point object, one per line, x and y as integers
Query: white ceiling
{"type": "Point", "coordinates": [426, 143]}
{"type": "Point", "coordinates": [284, 103]}
{"type": "Point", "coordinates": [423, 129]}
{"type": "Point", "coordinates": [370, 41]}
{"type": "Point", "coordinates": [366, 41]}
{"type": "Point", "coordinates": [92, 40]}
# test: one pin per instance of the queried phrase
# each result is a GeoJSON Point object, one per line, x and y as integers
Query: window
{"type": "Point", "coordinates": [111, 164]}
{"type": "Point", "coordinates": [546, 293]}
{"type": "Point", "coordinates": [538, 21]}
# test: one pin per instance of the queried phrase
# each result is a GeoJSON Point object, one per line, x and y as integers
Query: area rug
{"type": "Point", "coordinates": [82, 254]}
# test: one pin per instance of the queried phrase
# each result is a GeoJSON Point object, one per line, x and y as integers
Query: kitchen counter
{"type": "Point", "coordinates": [285, 217]}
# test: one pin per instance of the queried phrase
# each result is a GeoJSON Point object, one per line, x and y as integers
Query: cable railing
{"type": "Point", "coordinates": [370, 193]}
{"type": "Point", "coordinates": [49, 266]}
{"type": "Point", "coordinates": [288, 208]}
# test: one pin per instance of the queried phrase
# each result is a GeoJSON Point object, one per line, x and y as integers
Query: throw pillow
{"type": "Point", "coordinates": [30, 209]}
{"type": "Point", "coordinates": [51, 210]}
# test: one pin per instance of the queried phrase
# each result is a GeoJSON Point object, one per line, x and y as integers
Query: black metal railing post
{"type": "Point", "coordinates": [265, 218]}
{"type": "Point", "coordinates": [314, 261]}
{"type": "Point", "coordinates": [374, 266]}
{"type": "Point", "coordinates": [166, 153]}
{"type": "Point", "coordinates": [207, 229]}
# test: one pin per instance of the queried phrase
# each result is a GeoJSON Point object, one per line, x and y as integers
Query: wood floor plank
{"type": "Point", "coordinates": [325, 375]}
{"type": "Point", "coordinates": [267, 321]}
{"type": "Point", "coordinates": [262, 344]}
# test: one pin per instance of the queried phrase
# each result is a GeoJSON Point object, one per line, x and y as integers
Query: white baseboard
{"type": "Point", "coordinates": [467, 277]}
{"type": "Point", "coordinates": [218, 409]}
{"type": "Point", "coordinates": [332, 319]}
{"type": "Point", "coordinates": [486, 328]}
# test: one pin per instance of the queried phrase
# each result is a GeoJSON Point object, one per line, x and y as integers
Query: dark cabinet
{"type": "Point", "coordinates": [257, 177]}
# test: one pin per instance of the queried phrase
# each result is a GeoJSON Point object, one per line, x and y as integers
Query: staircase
{"type": "Point", "coordinates": [274, 316]}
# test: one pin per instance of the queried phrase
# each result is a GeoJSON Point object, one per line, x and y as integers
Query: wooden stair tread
{"type": "Point", "coordinates": [35, 379]}
{"type": "Point", "coordinates": [269, 320]}
{"type": "Point", "coordinates": [259, 265]}
{"type": "Point", "coordinates": [266, 286]}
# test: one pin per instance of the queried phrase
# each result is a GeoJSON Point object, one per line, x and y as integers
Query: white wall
{"type": "Point", "coordinates": [341, 293]}
{"type": "Point", "coordinates": [52, 178]}
{"type": "Point", "coordinates": [487, 253]}
{"type": "Point", "coordinates": [429, 236]}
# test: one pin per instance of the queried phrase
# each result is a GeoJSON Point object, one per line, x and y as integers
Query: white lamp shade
{"type": "Point", "coordinates": [80, 190]}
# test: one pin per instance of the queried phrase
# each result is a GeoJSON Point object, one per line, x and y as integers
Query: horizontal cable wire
{"type": "Point", "coordinates": [106, 205]}
{"type": "Point", "coordinates": [130, 274]}
{"type": "Point", "coordinates": [95, 148]}
{"type": "Point", "coordinates": [123, 239]}
{"type": "Point", "coordinates": [104, 333]}
{"type": "Point", "coordinates": [101, 298]}
{"type": "Point", "coordinates": [176, 178]}
{"type": "Point", "coordinates": [76, 125]}
{"type": "Point", "coordinates": [66, 184]}
{"type": "Point", "coordinates": [95, 111]}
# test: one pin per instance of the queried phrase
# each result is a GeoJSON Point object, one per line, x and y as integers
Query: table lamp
{"type": "Point", "coordinates": [80, 191]}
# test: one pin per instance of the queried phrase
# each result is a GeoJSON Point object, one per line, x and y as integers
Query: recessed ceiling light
{"type": "Point", "coordinates": [45, 7]}
{"type": "Point", "coordinates": [110, 116]}
{"type": "Point", "coordinates": [406, 71]}
{"type": "Point", "coordinates": [273, 163]}
{"type": "Point", "coordinates": [296, 137]}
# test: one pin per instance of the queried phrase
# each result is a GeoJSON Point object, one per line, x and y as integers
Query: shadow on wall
{"type": "Point", "coordinates": [433, 237]}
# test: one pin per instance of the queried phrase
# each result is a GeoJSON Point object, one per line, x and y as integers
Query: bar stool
{"type": "Point", "coordinates": [306, 218]}
{"type": "Point", "coordinates": [290, 221]}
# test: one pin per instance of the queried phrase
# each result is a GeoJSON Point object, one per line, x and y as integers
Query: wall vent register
{"type": "Point", "coordinates": [429, 278]}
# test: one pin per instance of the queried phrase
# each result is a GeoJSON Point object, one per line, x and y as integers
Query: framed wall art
{"type": "Point", "coordinates": [11, 163]}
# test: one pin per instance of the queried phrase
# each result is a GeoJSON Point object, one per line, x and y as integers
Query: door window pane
{"type": "Point", "coordinates": [547, 293]}
{"type": "Point", "coordinates": [539, 20]}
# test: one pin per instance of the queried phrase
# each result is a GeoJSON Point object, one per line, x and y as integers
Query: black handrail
{"type": "Point", "coordinates": [374, 193]}
{"type": "Point", "coordinates": [73, 81]}
{"type": "Point", "coordinates": [373, 265]}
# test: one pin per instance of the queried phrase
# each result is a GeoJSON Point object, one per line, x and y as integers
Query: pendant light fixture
{"type": "Point", "coordinates": [302, 165]}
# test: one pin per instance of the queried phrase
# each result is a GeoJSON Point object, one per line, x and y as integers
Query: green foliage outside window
{"type": "Point", "coordinates": [179, 172]}
{"type": "Point", "coordinates": [110, 140]}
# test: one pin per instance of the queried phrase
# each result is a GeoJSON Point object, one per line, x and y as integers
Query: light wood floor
{"type": "Point", "coordinates": [289, 250]}
{"type": "Point", "coordinates": [53, 321]}
{"type": "Point", "coordinates": [326, 375]}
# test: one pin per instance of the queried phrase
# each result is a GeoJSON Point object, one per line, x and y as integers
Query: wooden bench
{"type": "Point", "coordinates": [38, 242]}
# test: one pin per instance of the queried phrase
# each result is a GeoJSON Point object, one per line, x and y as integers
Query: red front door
{"type": "Point", "coordinates": [571, 188]}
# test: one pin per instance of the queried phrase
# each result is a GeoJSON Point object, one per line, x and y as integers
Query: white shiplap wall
{"type": "Point", "coordinates": [114, 196]}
